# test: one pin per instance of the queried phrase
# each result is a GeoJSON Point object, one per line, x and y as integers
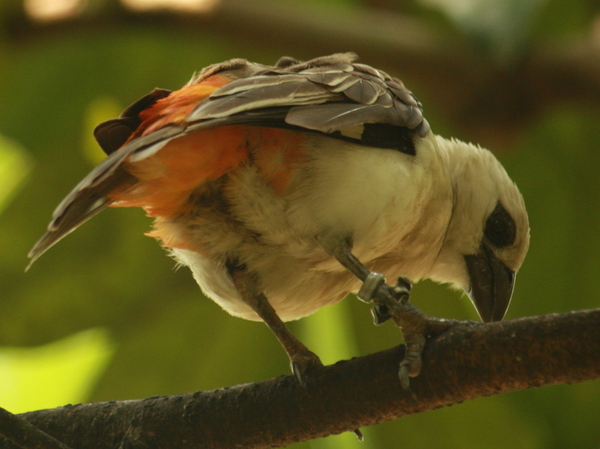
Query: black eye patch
{"type": "Point", "coordinates": [500, 228]}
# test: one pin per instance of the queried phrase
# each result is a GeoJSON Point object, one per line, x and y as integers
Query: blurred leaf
{"type": "Point", "coordinates": [559, 20]}
{"type": "Point", "coordinates": [488, 423]}
{"type": "Point", "coordinates": [500, 29]}
{"type": "Point", "coordinates": [556, 168]}
{"type": "Point", "coordinates": [62, 372]}
{"type": "Point", "coordinates": [99, 110]}
{"type": "Point", "coordinates": [15, 165]}
{"type": "Point", "coordinates": [330, 332]}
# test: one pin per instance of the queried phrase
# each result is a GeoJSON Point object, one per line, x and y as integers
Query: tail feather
{"type": "Point", "coordinates": [91, 195]}
{"type": "Point", "coordinates": [81, 205]}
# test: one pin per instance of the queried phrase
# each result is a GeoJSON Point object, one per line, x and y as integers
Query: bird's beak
{"type": "Point", "coordinates": [492, 284]}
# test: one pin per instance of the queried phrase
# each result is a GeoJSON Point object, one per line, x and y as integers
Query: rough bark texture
{"type": "Point", "coordinates": [466, 361]}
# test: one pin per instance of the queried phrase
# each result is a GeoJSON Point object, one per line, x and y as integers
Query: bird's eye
{"type": "Point", "coordinates": [500, 227]}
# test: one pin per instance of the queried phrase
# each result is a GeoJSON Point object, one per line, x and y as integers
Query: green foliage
{"type": "Point", "coordinates": [498, 29]}
{"type": "Point", "coordinates": [158, 335]}
{"type": "Point", "coordinates": [14, 168]}
{"type": "Point", "coordinates": [60, 372]}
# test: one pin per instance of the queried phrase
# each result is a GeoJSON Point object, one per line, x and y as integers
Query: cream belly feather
{"type": "Point", "coordinates": [375, 198]}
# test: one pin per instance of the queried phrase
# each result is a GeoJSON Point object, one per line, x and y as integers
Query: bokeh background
{"type": "Point", "coordinates": [105, 314]}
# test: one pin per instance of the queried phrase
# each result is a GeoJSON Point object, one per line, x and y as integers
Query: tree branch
{"type": "Point", "coordinates": [24, 435]}
{"type": "Point", "coordinates": [466, 361]}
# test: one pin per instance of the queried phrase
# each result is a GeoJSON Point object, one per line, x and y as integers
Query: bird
{"type": "Point", "coordinates": [284, 188]}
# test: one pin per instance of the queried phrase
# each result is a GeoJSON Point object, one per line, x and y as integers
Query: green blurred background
{"type": "Point", "coordinates": [105, 315]}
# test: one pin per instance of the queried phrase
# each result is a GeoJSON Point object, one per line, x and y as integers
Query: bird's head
{"type": "Point", "coordinates": [488, 234]}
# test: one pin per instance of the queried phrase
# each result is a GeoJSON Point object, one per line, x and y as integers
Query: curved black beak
{"type": "Point", "coordinates": [492, 284]}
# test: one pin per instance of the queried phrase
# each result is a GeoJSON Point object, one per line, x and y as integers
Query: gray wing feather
{"type": "Point", "coordinates": [363, 92]}
{"type": "Point", "coordinates": [332, 79]}
{"type": "Point", "coordinates": [285, 93]}
{"type": "Point", "coordinates": [332, 117]}
{"type": "Point", "coordinates": [325, 94]}
{"type": "Point", "coordinates": [255, 82]}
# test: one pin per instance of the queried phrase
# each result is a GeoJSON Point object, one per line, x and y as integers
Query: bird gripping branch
{"type": "Point", "coordinates": [286, 187]}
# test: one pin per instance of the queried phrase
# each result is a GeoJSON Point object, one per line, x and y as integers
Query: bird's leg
{"type": "Point", "coordinates": [301, 358]}
{"type": "Point", "coordinates": [389, 302]}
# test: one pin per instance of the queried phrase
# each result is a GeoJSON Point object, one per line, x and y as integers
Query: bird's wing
{"type": "Point", "coordinates": [325, 94]}
{"type": "Point", "coordinates": [333, 95]}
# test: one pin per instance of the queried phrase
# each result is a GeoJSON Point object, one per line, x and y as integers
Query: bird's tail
{"type": "Point", "coordinates": [90, 197]}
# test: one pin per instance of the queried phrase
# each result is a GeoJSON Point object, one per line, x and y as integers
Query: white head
{"type": "Point", "coordinates": [488, 234]}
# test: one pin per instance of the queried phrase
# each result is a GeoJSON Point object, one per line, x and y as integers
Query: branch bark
{"type": "Point", "coordinates": [466, 361]}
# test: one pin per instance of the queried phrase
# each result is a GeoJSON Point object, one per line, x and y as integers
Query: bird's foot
{"type": "Point", "coordinates": [410, 366]}
{"type": "Point", "coordinates": [387, 298]}
{"type": "Point", "coordinates": [393, 303]}
{"type": "Point", "coordinates": [302, 362]}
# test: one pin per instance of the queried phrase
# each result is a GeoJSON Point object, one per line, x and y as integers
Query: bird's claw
{"type": "Point", "coordinates": [393, 303]}
{"type": "Point", "coordinates": [412, 323]}
{"type": "Point", "coordinates": [402, 289]}
{"type": "Point", "coordinates": [302, 363]}
{"type": "Point", "coordinates": [404, 376]}
{"type": "Point", "coordinates": [381, 314]}
{"type": "Point", "coordinates": [411, 365]}
{"type": "Point", "coordinates": [387, 297]}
